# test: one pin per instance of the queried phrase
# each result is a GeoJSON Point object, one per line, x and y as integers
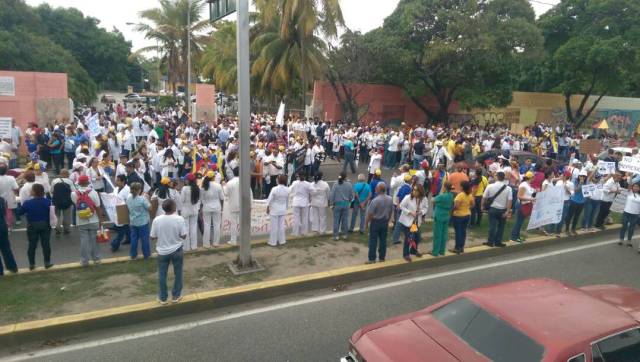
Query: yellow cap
{"type": "Point", "coordinates": [211, 174]}
{"type": "Point", "coordinates": [407, 178]}
{"type": "Point", "coordinates": [281, 148]}
{"type": "Point", "coordinates": [378, 172]}
{"type": "Point", "coordinates": [165, 181]}
{"type": "Point", "coordinates": [529, 174]}
{"type": "Point", "coordinates": [36, 166]}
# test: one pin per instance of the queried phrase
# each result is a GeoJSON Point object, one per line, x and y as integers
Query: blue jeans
{"type": "Point", "coordinates": [349, 159]}
{"type": "Point", "coordinates": [340, 216]}
{"type": "Point", "coordinates": [460, 224]}
{"type": "Point", "coordinates": [5, 250]}
{"type": "Point", "coordinates": [395, 235]}
{"type": "Point", "coordinates": [406, 251]}
{"type": "Point", "coordinates": [140, 233]}
{"type": "Point", "coordinates": [497, 222]}
{"type": "Point", "coordinates": [378, 239]}
{"type": "Point", "coordinates": [357, 211]}
{"type": "Point", "coordinates": [590, 211]}
{"type": "Point", "coordinates": [517, 227]}
{"type": "Point", "coordinates": [629, 222]}
{"type": "Point", "coordinates": [417, 160]}
{"type": "Point", "coordinates": [123, 231]}
{"type": "Point", "coordinates": [565, 209]}
{"type": "Point", "coordinates": [176, 259]}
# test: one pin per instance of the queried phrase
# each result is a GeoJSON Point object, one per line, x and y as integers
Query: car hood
{"type": "Point", "coordinates": [401, 341]}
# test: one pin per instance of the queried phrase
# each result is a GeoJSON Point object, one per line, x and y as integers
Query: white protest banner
{"type": "Point", "coordinates": [5, 127]}
{"type": "Point", "coordinates": [109, 202]}
{"type": "Point", "coordinates": [619, 202]}
{"type": "Point", "coordinates": [588, 190]}
{"type": "Point", "coordinates": [8, 86]}
{"type": "Point", "coordinates": [548, 207]}
{"type": "Point", "coordinates": [280, 115]}
{"type": "Point", "coordinates": [606, 168]}
{"type": "Point", "coordinates": [629, 164]}
{"type": "Point", "coordinates": [92, 124]}
{"type": "Point", "coordinates": [260, 220]}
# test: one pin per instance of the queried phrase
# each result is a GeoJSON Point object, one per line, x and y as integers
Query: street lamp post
{"type": "Point", "coordinates": [188, 90]}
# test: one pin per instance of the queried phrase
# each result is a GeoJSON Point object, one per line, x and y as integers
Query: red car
{"type": "Point", "coordinates": [529, 320]}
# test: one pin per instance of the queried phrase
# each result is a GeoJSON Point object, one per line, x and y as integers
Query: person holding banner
{"type": "Point", "coordinates": [576, 204]}
{"type": "Point", "coordinates": [568, 191]}
{"type": "Point", "coordinates": [610, 190]}
{"type": "Point", "coordinates": [630, 215]}
{"type": "Point", "coordinates": [212, 202]}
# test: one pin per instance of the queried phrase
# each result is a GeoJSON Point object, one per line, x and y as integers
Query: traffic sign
{"type": "Point", "coordinates": [218, 9]}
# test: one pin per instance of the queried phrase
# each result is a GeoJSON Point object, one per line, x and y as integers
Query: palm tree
{"type": "Point", "coordinates": [219, 61]}
{"type": "Point", "coordinates": [300, 21]}
{"type": "Point", "coordinates": [169, 28]}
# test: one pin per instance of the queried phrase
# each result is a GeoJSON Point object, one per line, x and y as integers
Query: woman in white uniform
{"type": "Point", "coordinates": [319, 203]}
{"type": "Point", "coordinates": [212, 201]}
{"type": "Point", "coordinates": [190, 198]}
{"type": "Point", "coordinates": [277, 204]}
{"type": "Point", "coordinates": [301, 195]}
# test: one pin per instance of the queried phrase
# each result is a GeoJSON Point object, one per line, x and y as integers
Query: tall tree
{"type": "Point", "coordinates": [594, 48]}
{"type": "Point", "coordinates": [219, 61]}
{"type": "Point", "coordinates": [464, 50]}
{"type": "Point", "coordinates": [168, 26]}
{"type": "Point", "coordinates": [300, 23]}
{"type": "Point", "coordinates": [349, 66]}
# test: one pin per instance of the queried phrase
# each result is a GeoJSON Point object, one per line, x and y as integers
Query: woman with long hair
{"type": "Point", "coordinates": [212, 203]}
{"type": "Point", "coordinates": [138, 205]}
{"type": "Point", "coordinates": [442, 205]}
{"type": "Point", "coordinates": [340, 198]}
{"type": "Point", "coordinates": [190, 198]}
{"type": "Point", "coordinates": [169, 164]}
{"type": "Point", "coordinates": [462, 206]}
{"type": "Point", "coordinates": [319, 204]}
{"type": "Point", "coordinates": [413, 208]}
{"type": "Point", "coordinates": [576, 204]}
{"type": "Point", "coordinates": [96, 174]}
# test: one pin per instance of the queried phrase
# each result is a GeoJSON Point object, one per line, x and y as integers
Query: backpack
{"type": "Point", "coordinates": [85, 206]}
{"type": "Point", "coordinates": [62, 195]}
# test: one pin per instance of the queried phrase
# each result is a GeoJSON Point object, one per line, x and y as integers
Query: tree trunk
{"type": "Point", "coordinates": [302, 75]}
{"type": "Point", "coordinates": [591, 109]}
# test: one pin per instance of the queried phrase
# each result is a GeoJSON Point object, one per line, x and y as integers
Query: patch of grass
{"type": "Point", "coordinates": [222, 276]}
{"type": "Point", "coordinates": [332, 256]}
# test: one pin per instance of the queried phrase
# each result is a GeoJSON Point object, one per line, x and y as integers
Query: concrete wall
{"type": "Point", "coordinates": [206, 103]}
{"type": "Point", "coordinates": [39, 97]}
{"type": "Point", "coordinates": [379, 103]}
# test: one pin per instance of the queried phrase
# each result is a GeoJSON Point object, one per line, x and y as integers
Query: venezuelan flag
{"type": "Point", "coordinates": [554, 142]}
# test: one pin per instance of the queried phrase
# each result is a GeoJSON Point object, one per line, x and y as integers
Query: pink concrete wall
{"type": "Point", "coordinates": [31, 87]}
{"type": "Point", "coordinates": [382, 103]}
{"type": "Point", "coordinates": [205, 103]}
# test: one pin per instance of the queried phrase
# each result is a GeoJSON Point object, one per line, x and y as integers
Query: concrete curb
{"type": "Point", "coordinates": [14, 334]}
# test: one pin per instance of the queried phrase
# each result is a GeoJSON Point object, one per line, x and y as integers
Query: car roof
{"type": "Point", "coordinates": [551, 312]}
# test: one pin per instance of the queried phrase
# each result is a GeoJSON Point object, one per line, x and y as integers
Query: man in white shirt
{"type": "Point", "coordinates": [393, 150]}
{"type": "Point", "coordinates": [232, 192]}
{"type": "Point", "coordinates": [8, 189]}
{"type": "Point", "coordinates": [497, 198]}
{"type": "Point", "coordinates": [568, 191]}
{"type": "Point", "coordinates": [610, 190]}
{"type": "Point", "coordinates": [169, 231]}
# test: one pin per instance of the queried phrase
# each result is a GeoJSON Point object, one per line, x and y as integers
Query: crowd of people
{"type": "Point", "coordinates": [148, 157]}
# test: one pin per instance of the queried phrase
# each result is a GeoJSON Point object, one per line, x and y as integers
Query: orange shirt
{"type": "Point", "coordinates": [456, 179]}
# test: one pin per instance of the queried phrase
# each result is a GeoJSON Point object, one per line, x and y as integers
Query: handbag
{"type": "Point", "coordinates": [414, 226]}
{"type": "Point", "coordinates": [526, 209]}
{"type": "Point", "coordinates": [489, 201]}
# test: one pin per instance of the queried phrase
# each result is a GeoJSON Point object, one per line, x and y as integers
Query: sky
{"type": "Point", "coordinates": [360, 15]}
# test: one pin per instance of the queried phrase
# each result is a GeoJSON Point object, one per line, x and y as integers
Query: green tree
{"type": "Point", "coordinates": [168, 26]}
{"type": "Point", "coordinates": [349, 67]}
{"type": "Point", "coordinates": [464, 50]}
{"type": "Point", "coordinates": [103, 54]}
{"type": "Point", "coordinates": [219, 61]}
{"type": "Point", "coordinates": [594, 48]}
{"type": "Point", "coordinates": [299, 23]}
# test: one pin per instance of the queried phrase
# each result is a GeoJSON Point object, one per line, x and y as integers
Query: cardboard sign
{"type": "Point", "coordinates": [606, 168]}
{"type": "Point", "coordinates": [548, 207]}
{"type": "Point", "coordinates": [619, 202]}
{"type": "Point", "coordinates": [590, 146]}
{"type": "Point", "coordinates": [629, 164]}
{"type": "Point", "coordinates": [517, 128]}
{"type": "Point", "coordinates": [588, 190]}
{"type": "Point", "coordinates": [122, 214]}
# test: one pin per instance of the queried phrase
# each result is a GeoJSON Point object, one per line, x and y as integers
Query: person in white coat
{"type": "Point", "coordinates": [300, 197]}
{"type": "Point", "coordinates": [232, 192]}
{"type": "Point", "coordinates": [190, 199]}
{"type": "Point", "coordinates": [212, 202]}
{"type": "Point", "coordinates": [277, 204]}
{"type": "Point", "coordinates": [319, 204]}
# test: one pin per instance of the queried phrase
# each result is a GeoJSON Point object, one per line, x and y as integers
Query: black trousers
{"type": "Point", "coordinates": [575, 209]}
{"type": "Point", "coordinates": [603, 213]}
{"type": "Point", "coordinates": [39, 231]}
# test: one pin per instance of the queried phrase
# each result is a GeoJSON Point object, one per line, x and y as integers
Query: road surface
{"type": "Point", "coordinates": [315, 326]}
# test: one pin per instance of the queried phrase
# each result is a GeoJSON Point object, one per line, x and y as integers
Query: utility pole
{"type": "Point", "coordinates": [188, 90]}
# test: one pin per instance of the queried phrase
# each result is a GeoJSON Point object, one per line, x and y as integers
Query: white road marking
{"type": "Point", "coordinates": [191, 325]}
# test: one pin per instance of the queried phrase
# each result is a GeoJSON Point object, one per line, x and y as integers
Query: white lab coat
{"type": "Point", "coordinates": [319, 204]}
{"type": "Point", "coordinates": [278, 202]}
{"type": "Point", "coordinates": [301, 197]}
{"type": "Point", "coordinates": [212, 214]}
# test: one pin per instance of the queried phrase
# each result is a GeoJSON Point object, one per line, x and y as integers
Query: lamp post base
{"type": "Point", "coordinates": [252, 267]}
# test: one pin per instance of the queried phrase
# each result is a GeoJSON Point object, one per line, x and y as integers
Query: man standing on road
{"type": "Point", "coordinates": [497, 198]}
{"type": "Point", "coordinates": [87, 202]}
{"type": "Point", "coordinates": [169, 231]}
{"type": "Point", "coordinates": [378, 215]}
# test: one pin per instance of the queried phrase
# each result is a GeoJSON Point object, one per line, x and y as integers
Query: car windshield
{"type": "Point", "coordinates": [623, 347]}
{"type": "Point", "coordinates": [487, 334]}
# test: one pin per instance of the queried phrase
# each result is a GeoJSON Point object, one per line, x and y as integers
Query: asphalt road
{"type": "Point", "coordinates": [315, 326]}
{"type": "Point", "coordinates": [66, 248]}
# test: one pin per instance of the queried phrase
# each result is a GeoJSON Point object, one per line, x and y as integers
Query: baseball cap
{"type": "Point", "coordinates": [83, 179]}
{"type": "Point", "coordinates": [165, 181]}
{"type": "Point", "coordinates": [528, 174]}
{"type": "Point", "coordinates": [378, 172]}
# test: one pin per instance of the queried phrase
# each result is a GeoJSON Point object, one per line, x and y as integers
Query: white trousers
{"type": "Point", "coordinates": [211, 233]}
{"type": "Point", "coordinates": [300, 220]}
{"type": "Point", "coordinates": [318, 216]}
{"type": "Point", "coordinates": [276, 234]}
{"type": "Point", "coordinates": [235, 226]}
{"type": "Point", "coordinates": [191, 242]}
